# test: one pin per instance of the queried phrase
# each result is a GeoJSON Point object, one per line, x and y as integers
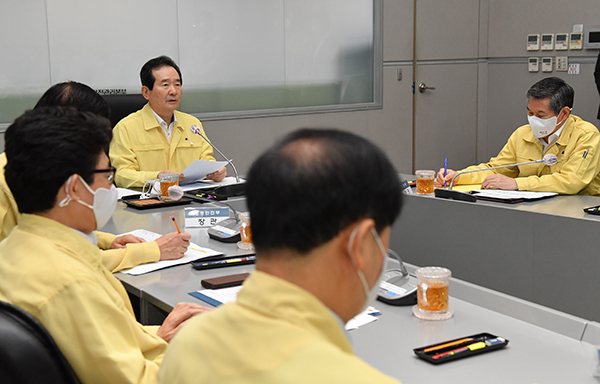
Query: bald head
{"type": "Point", "coordinates": [76, 95]}
{"type": "Point", "coordinates": [305, 152]}
{"type": "Point", "coordinates": [314, 183]}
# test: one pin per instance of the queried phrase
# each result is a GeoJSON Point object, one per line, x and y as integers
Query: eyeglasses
{"type": "Point", "coordinates": [112, 171]}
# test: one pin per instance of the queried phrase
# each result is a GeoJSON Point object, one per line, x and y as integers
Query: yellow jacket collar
{"type": "Point", "coordinates": [292, 303]}
{"type": "Point", "coordinates": [150, 121]}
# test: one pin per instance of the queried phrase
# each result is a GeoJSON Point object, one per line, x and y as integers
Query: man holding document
{"type": "Point", "coordinates": [552, 129]}
{"type": "Point", "coordinates": [158, 138]}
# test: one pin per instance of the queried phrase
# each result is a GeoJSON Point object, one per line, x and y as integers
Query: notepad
{"type": "Point", "coordinates": [194, 252]}
{"type": "Point", "coordinates": [511, 196]}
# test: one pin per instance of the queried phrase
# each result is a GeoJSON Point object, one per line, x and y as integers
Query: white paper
{"type": "Point", "coordinates": [199, 169]}
{"type": "Point", "coordinates": [502, 194]}
{"type": "Point", "coordinates": [209, 184]}
{"type": "Point", "coordinates": [228, 295]}
{"type": "Point", "coordinates": [194, 252]}
{"type": "Point", "coordinates": [365, 317]}
{"type": "Point", "coordinates": [222, 295]}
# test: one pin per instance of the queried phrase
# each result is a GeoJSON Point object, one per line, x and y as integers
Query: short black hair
{"type": "Point", "coordinates": [45, 146]}
{"type": "Point", "coordinates": [146, 74]}
{"type": "Point", "coordinates": [557, 90]}
{"type": "Point", "coordinates": [308, 187]}
{"type": "Point", "coordinates": [77, 95]}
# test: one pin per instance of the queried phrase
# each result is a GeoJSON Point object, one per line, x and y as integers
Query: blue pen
{"type": "Point", "coordinates": [445, 170]}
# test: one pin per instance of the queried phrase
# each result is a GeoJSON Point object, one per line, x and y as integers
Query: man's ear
{"type": "Point", "coordinates": [359, 242]}
{"type": "Point", "coordinates": [566, 111]}
{"type": "Point", "coordinates": [75, 188]}
{"type": "Point", "coordinates": [146, 92]}
{"type": "Point", "coordinates": [68, 188]}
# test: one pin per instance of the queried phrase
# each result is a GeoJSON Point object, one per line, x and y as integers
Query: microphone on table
{"type": "Point", "coordinates": [229, 190]}
{"type": "Point", "coordinates": [226, 231]}
{"type": "Point", "coordinates": [548, 160]}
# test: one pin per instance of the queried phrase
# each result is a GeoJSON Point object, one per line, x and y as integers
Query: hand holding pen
{"type": "Point", "coordinates": [445, 170]}
{"type": "Point", "coordinates": [173, 245]}
{"type": "Point", "coordinates": [444, 176]}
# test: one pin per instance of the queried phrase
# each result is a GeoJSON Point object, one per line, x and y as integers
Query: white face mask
{"type": "Point", "coordinates": [542, 127]}
{"type": "Point", "coordinates": [105, 202]}
{"type": "Point", "coordinates": [371, 293]}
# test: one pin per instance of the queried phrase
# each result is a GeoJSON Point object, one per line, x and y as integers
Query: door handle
{"type": "Point", "coordinates": [423, 87]}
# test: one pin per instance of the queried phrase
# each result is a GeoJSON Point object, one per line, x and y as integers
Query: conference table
{"type": "Point", "coordinates": [544, 251]}
{"type": "Point", "coordinates": [545, 345]}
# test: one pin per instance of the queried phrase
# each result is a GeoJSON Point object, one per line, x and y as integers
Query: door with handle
{"type": "Point", "coordinates": [445, 90]}
{"type": "Point", "coordinates": [423, 87]}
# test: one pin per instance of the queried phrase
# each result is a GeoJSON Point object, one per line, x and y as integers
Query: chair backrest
{"type": "Point", "coordinates": [28, 354]}
{"type": "Point", "coordinates": [123, 105]}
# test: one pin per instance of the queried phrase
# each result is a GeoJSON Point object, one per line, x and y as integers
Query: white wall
{"type": "Point", "coordinates": [502, 77]}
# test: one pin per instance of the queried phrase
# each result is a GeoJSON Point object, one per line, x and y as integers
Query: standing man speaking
{"type": "Point", "coordinates": [157, 138]}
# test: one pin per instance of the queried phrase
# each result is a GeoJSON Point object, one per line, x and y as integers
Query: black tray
{"type": "Point", "coordinates": [595, 210]}
{"type": "Point", "coordinates": [154, 202]}
{"type": "Point", "coordinates": [426, 353]}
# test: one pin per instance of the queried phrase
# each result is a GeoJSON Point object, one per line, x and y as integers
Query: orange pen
{"type": "Point", "coordinates": [448, 344]}
{"type": "Point", "coordinates": [174, 222]}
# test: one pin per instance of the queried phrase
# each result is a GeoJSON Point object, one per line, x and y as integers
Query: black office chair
{"type": "Point", "coordinates": [123, 105]}
{"type": "Point", "coordinates": [28, 354]}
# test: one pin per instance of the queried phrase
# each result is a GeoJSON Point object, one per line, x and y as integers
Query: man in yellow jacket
{"type": "Point", "coordinates": [321, 243]}
{"type": "Point", "coordinates": [158, 138]}
{"type": "Point", "coordinates": [120, 252]}
{"type": "Point", "coordinates": [50, 266]}
{"type": "Point", "coordinates": [551, 130]}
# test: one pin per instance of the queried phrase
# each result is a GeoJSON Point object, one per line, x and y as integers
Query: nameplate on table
{"type": "Point", "coordinates": [205, 216]}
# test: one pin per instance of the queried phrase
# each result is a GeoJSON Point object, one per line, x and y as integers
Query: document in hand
{"type": "Point", "coordinates": [210, 184]}
{"type": "Point", "coordinates": [199, 169]}
{"type": "Point", "coordinates": [511, 197]}
{"type": "Point", "coordinates": [194, 252]}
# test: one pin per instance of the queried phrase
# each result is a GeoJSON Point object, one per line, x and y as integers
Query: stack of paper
{"type": "Point", "coordinates": [511, 196]}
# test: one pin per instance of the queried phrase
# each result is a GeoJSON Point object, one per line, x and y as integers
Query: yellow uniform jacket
{"type": "Point", "coordinates": [275, 333]}
{"type": "Point", "coordinates": [140, 149]}
{"type": "Point", "coordinates": [56, 275]}
{"type": "Point", "coordinates": [575, 173]}
{"type": "Point", "coordinates": [113, 259]}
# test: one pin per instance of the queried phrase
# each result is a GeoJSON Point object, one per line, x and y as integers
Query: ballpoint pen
{"type": "Point", "coordinates": [206, 264]}
{"type": "Point", "coordinates": [445, 170]}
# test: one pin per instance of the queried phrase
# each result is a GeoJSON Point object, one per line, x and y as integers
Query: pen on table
{"type": "Point", "coordinates": [175, 222]}
{"type": "Point", "coordinates": [227, 261]}
{"type": "Point", "coordinates": [445, 170]}
{"type": "Point", "coordinates": [448, 344]}
{"type": "Point", "coordinates": [471, 347]}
